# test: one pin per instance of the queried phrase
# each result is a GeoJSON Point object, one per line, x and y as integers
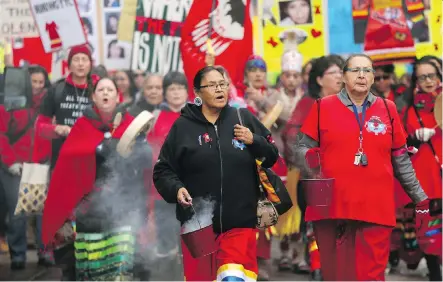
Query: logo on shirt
{"type": "Point", "coordinates": [238, 144]}
{"type": "Point", "coordinates": [375, 125]}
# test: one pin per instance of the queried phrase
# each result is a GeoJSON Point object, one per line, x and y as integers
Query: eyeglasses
{"type": "Point", "coordinates": [212, 87]}
{"type": "Point", "coordinates": [382, 77]}
{"type": "Point", "coordinates": [423, 77]}
{"type": "Point", "coordinates": [358, 70]}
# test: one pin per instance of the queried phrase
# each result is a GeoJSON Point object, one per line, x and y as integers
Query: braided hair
{"type": "Point", "coordinates": [90, 83]}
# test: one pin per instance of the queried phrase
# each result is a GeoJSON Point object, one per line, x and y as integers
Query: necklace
{"type": "Point", "coordinates": [79, 98]}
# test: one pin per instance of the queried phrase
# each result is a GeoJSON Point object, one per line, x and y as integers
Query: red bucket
{"type": "Point", "coordinates": [201, 242]}
{"type": "Point", "coordinates": [318, 194]}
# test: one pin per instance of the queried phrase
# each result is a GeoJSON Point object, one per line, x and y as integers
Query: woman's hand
{"type": "Point", "coordinates": [62, 130]}
{"type": "Point", "coordinates": [183, 197]}
{"type": "Point", "coordinates": [243, 134]}
{"type": "Point", "coordinates": [424, 134]}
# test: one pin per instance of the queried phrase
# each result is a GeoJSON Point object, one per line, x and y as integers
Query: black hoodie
{"type": "Point", "coordinates": [201, 157]}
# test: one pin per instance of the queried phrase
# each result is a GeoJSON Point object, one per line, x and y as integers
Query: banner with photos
{"type": "Point", "coordinates": [271, 18]}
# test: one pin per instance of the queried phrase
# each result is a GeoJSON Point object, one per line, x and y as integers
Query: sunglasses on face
{"type": "Point", "coordinates": [382, 77]}
{"type": "Point", "coordinates": [423, 77]}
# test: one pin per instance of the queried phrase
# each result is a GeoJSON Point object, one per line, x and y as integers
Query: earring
{"type": "Point", "coordinates": [198, 101]}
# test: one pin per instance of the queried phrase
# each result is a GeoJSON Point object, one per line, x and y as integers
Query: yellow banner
{"type": "Point", "coordinates": [434, 19]}
{"type": "Point", "coordinates": [271, 18]}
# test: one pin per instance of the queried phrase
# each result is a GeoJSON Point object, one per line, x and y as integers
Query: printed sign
{"type": "Point", "coordinates": [59, 24]}
{"type": "Point", "coordinates": [157, 35]}
{"type": "Point", "coordinates": [88, 15]}
{"type": "Point", "coordinates": [16, 19]}
{"type": "Point", "coordinates": [424, 19]}
{"type": "Point", "coordinates": [278, 16]}
{"type": "Point", "coordinates": [117, 54]}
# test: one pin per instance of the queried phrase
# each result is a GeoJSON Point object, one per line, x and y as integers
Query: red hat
{"type": "Point", "coordinates": [83, 49]}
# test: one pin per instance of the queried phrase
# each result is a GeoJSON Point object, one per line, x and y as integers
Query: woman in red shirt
{"type": "Point", "coordinates": [21, 143]}
{"type": "Point", "coordinates": [425, 134]}
{"type": "Point", "coordinates": [357, 139]}
{"type": "Point", "coordinates": [324, 80]}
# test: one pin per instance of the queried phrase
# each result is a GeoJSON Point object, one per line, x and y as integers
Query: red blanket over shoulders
{"type": "Point", "coordinates": [74, 174]}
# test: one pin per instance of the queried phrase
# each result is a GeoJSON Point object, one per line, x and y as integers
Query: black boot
{"type": "Point", "coordinates": [316, 275]}
{"type": "Point", "coordinates": [433, 263]}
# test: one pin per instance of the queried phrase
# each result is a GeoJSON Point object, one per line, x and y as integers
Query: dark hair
{"type": "Point", "coordinates": [132, 87]}
{"type": "Point", "coordinates": [88, 24]}
{"type": "Point", "coordinates": [303, 70]}
{"type": "Point", "coordinates": [284, 5]}
{"type": "Point", "coordinates": [95, 86]}
{"type": "Point", "coordinates": [201, 74]}
{"type": "Point", "coordinates": [319, 66]}
{"type": "Point", "coordinates": [409, 94]}
{"type": "Point", "coordinates": [386, 68]}
{"type": "Point", "coordinates": [430, 58]}
{"type": "Point", "coordinates": [339, 61]}
{"type": "Point", "coordinates": [346, 63]}
{"type": "Point", "coordinates": [115, 42]}
{"type": "Point", "coordinates": [174, 77]}
{"type": "Point", "coordinates": [39, 69]}
{"type": "Point", "coordinates": [100, 70]}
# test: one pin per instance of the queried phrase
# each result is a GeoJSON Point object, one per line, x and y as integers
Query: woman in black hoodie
{"type": "Point", "coordinates": [209, 156]}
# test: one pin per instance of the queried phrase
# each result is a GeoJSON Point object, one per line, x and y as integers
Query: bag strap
{"type": "Point", "coordinates": [318, 119]}
{"type": "Point", "coordinates": [389, 115]}
{"type": "Point", "coordinates": [13, 138]}
{"type": "Point", "coordinates": [58, 94]}
{"type": "Point", "coordinates": [258, 162]}
{"type": "Point", "coordinates": [423, 125]}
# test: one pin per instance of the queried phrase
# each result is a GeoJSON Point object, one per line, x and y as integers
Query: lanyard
{"type": "Point", "coordinates": [361, 122]}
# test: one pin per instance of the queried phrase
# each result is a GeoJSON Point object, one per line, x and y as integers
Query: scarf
{"type": "Point", "coordinates": [425, 101]}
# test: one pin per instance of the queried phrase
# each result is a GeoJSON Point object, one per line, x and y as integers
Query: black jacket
{"type": "Point", "coordinates": [212, 167]}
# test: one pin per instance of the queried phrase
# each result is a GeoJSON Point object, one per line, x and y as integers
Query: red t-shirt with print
{"type": "Point", "coordinates": [363, 193]}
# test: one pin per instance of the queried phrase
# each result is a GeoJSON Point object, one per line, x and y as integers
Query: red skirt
{"type": "Point", "coordinates": [235, 258]}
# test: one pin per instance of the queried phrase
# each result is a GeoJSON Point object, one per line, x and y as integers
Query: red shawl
{"type": "Point", "coordinates": [74, 173]}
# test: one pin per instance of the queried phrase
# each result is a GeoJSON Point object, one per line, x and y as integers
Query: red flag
{"type": "Point", "coordinates": [31, 50]}
{"type": "Point", "coordinates": [231, 37]}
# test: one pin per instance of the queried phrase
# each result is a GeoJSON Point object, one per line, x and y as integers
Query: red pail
{"type": "Point", "coordinates": [318, 194]}
{"type": "Point", "coordinates": [201, 242]}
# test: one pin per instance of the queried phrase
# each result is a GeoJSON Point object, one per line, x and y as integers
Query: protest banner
{"type": "Point", "coordinates": [274, 17]}
{"type": "Point", "coordinates": [59, 24]}
{"type": "Point", "coordinates": [16, 19]}
{"type": "Point", "coordinates": [157, 35]}
{"type": "Point", "coordinates": [424, 18]}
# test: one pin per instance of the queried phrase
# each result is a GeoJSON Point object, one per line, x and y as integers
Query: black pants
{"type": "Point", "coordinates": [3, 211]}
{"type": "Point", "coordinates": [65, 259]}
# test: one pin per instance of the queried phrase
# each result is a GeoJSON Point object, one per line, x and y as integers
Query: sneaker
{"type": "Point", "coordinates": [284, 264]}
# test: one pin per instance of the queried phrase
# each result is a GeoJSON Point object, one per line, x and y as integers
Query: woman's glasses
{"type": "Point", "coordinates": [212, 87]}
{"type": "Point", "coordinates": [423, 77]}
